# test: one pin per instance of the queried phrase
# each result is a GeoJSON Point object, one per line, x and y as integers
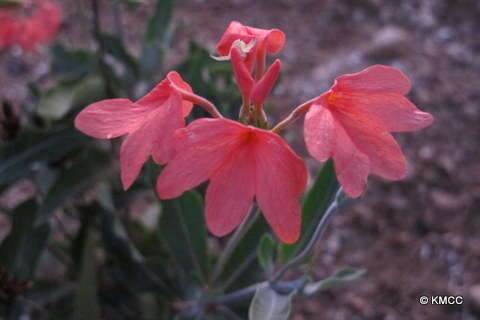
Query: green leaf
{"type": "Point", "coordinates": [314, 206]}
{"type": "Point", "coordinates": [34, 146]}
{"type": "Point", "coordinates": [10, 3]}
{"type": "Point", "coordinates": [154, 40]}
{"type": "Point", "coordinates": [182, 229]}
{"type": "Point", "coordinates": [88, 170]}
{"type": "Point", "coordinates": [151, 59]}
{"type": "Point", "coordinates": [240, 264]}
{"type": "Point", "coordinates": [130, 3]}
{"type": "Point", "coordinates": [266, 251]}
{"type": "Point", "coordinates": [340, 277]}
{"type": "Point", "coordinates": [88, 90]}
{"type": "Point", "coordinates": [267, 304]}
{"type": "Point", "coordinates": [72, 63]}
{"type": "Point", "coordinates": [56, 102]}
{"type": "Point", "coordinates": [86, 305]}
{"type": "Point", "coordinates": [119, 245]}
{"type": "Point", "coordinates": [22, 248]}
{"type": "Point", "coordinates": [160, 20]}
{"type": "Point", "coordinates": [114, 46]}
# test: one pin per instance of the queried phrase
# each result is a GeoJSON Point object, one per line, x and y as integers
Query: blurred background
{"type": "Point", "coordinates": [420, 236]}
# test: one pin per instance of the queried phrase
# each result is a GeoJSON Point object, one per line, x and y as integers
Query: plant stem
{"type": "Point", "coordinates": [232, 244]}
{"type": "Point", "coordinates": [284, 287]}
{"type": "Point", "coordinates": [332, 209]}
{"type": "Point", "coordinates": [239, 271]}
{"type": "Point", "coordinates": [239, 294]}
{"type": "Point", "coordinates": [200, 101]}
{"type": "Point", "coordinates": [101, 49]}
{"type": "Point", "coordinates": [294, 115]}
{"type": "Point", "coordinates": [117, 18]}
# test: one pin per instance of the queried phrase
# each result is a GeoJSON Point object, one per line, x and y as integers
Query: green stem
{"type": "Point", "coordinates": [284, 287]}
{"type": "Point", "coordinates": [232, 244]}
{"type": "Point", "coordinates": [332, 209]}
{"type": "Point", "coordinates": [101, 49]}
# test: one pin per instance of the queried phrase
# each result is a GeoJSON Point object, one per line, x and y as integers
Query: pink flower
{"type": "Point", "coordinates": [352, 123]}
{"type": "Point", "coordinates": [28, 32]}
{"type": "Point", "coordinates": [149, 124]}
{"type": "Point", "coordinates": [242, 163]}
{"type": "Point", "coordinates": [266, 41]}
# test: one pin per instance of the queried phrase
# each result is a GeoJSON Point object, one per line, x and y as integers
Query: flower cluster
{"type": "Point", "coordinates": [28, 32]}
{"type": "Point", "coordinates": [245, 161]}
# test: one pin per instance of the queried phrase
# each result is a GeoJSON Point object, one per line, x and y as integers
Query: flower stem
{"type": "Point", "coordinates": [294, 115]}
{"type": "Point", "coordinates": [232, 244]}
{"type": "Point", "coordinates": [200, 101]}
{"type": "Point", "coordinates": [244, 115]}
{"type": "Point", "coordinates": [332, 209]}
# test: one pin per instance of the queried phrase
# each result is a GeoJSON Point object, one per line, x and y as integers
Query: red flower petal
{"type": "Point", "coordinates": [374, 79]}
{"type": "Point", "coordinates": [200, 152]}
{"type": "Point", "coordinates": [351, 165]}
{"type": "Point", "coordinates": [281, 177]}
{"type": "Point", "coordinates": [230, 192]}
{"type": "Point", "coordinates": [110, 118]}
{"type": "Point", "coordinates": [134, 152]}
{"type": "Point", "coordinates": [157, 96]}
{"type": "Point", "coordinates": [243, 77]}
{"type": "Point", "coordinates": [147, 140]}
{"type": "Point", "coordinates": [265, 84]}
{"type": "Point", "coordinates": [240, 161]}
{"type": "Point", "coordinates": [372, 138]}
{"type": "Point", "coordinates": [177, 80]}
{"type": "Point", "coordinates": [396, 112]}
{"type": "Point", "coordinates": [169, 119]}
{"type": "Point", "coordinates": [319, 132]}
{"type": "Point", "coordinates": [273, 40]}
{"type": "Point", "coordinates": [235, 31]}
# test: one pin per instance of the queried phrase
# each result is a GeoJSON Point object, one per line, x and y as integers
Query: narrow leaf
{"type": "Point", "coordinates": [114, 46]}
{"type": "Point", "coordinates": [182, 229]}
{"type": "Point", "coordinates": [267, 304]}
{"type": "Point", "coordinates": [154, 40]}
{"type": "Point", "coordinates": [72, 63]}
{"type": "Point", "coordinates": [266, 251]}
{"type": "Point", "coordinates": [246, 248]}
{"type": "Point", "coordinates": [126, 255]}
{"type": "Point", "coordinates": [159, 21]}
{"type": "Point", "coordinates": [86, 305]}
{"type": "Point", "coordinates": [17, 156]}
{"type": "Point", "coordinates": [57, 101]}
{"type": "Point", "coordinates": [20, 251]}
{"type": "Point", "coordinates": [83, 174]}
{"type": "Point", "coordinates": [340, 277]}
